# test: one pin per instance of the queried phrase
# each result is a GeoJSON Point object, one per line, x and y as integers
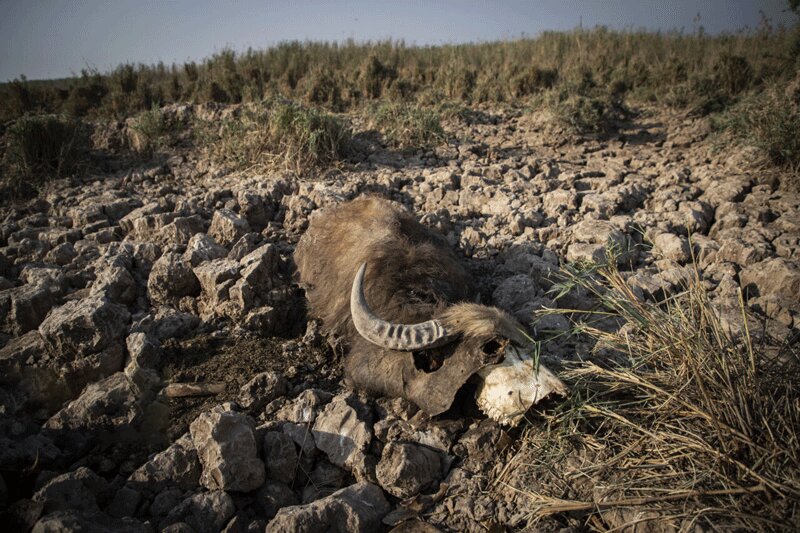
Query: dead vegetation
{"type": "Point", "coordinates": [37, 148]}
{"type": "Point", "coordinates": [281, 134]}
{"type": "Point", "coordinates": [679, 418]}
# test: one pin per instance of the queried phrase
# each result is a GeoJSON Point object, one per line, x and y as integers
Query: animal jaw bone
{"type": "Point", "coordinates": [508, 389]}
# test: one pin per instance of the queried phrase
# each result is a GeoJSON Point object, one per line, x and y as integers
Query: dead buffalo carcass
{"type": "Point", "coordinates": [396, 291]}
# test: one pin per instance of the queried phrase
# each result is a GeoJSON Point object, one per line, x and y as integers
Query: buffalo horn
{"type": "Point", "coordinates": [403, 337]}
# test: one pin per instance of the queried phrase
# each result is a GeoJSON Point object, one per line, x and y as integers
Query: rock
{"type": "Point", "coordinates": [23, 308]}
{"type": "Point", "coordinates": [19, 454]}
{"type": "Point", "coordinates": [117, 209]}
{"type": "Point", "coordinates": [95, 522]}
{"type": "Point", "coordinates": [166, 500]}
{"type": "Point", "coordinates": [124, 503]}
{"type": "Point", "coordinates": [202, 248]}
{"type": "Point", "coordinates": [181, 230]}
{"type": "Point", "coordinates": [302, 437]}
{"type": "Point", "coordinates": [18, 353]}
{"type": "Point", "coordinates": [206, 512]}
{"type": "Point", "coordinates": [246, 244]}
{"type": "Point", "coordinates": [171, 279]}
{"type": "Point", "coordinates": [61, 254]}
{"type": "Point", "coordinates": [357, 508]}
{"type": "Point", "coordinates": [21, 515]}
{"type": "Point", "coordinates": [82, 327]}
{"type": "Point", "coordinates": [273, 496]}
{"type": "Point", "coordinates": [74, 491]}
{"type": "Point", "coordinates": [777, 281]}
{"type": "Point", "coordinates": [718, 192]}
{"type": "Point", "coordinates": [143, 349]}
{"type": "Point", "coordinates": [116, 284]}
{"type": "Point", "coordinates": [736, 249]}
{"type": "Point", "coordinates": [107, 404]}
{"type": "Point", "coordinates": [325, 479]}
{"type": "Point", "coordinates": [581, 252]}
{"type": "Point", "coordinates": [340, 432]}
{"type": "Point", "coordinates": [216, 278]}
{"type": "Point", "coordinates": [555, 202]}
{"type": "Point", "coordinates": [178, 465]}
{"type": "Point", "coordinates": [261, 390]}
{"type": "Point", "coordinates": [672, 247]}
{"type": "Point", "coordinates": [145, 228]}
{"type": "Point", "coordinates": [407, 469]}
{"type": "Point", "coordinates": [167, 323]}
{"type": "Point", "coordinates": [303, 409]}
{"type": "Point", "coordinates": [259, 275]}
{"type": "Point", "coordinates": [227, 227]}
{"type": "Point", "coordinates": [80, 372]}
{"type": "Point", "coordinates": [226, 446]}
{"type": "Point", "coordinates": [178, 527]}
{"type": "Point", "coordinates": [50, 277]}
{"type": "Point", "coordinates": [514, 294]}
{"type": "Point", "coordinates": [257, 209]}
{"type": "Point", "coordinates": [280, 455]}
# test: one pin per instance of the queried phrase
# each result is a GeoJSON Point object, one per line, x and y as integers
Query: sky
{"type": "Point", "coordinates": [44, 39]}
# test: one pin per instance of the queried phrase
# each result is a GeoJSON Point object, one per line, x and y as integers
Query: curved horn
{"type": "Point", "coordinates": [405, 337]}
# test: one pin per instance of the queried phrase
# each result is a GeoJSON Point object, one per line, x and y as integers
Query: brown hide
{"type": "Point", "coordinates": [412, 276]}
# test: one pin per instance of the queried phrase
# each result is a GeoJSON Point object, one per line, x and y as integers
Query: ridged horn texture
{"type": "Point", "coordinates": [404, 337]}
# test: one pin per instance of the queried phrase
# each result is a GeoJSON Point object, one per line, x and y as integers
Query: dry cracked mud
{"type": "Point", "coordinates": [117, 285]}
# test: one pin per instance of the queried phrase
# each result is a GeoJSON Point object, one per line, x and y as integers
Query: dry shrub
{"type": "Point", "coordinates": [697, 72]}
{"type": "Point", "coordinates": [406, 126]}
{"type": "Point", "coordinates": [42, 147]}
{"type": "Point", "coordinates": [150, 130]}
{"type": "Point", "coordinates": [676, 421]}
{"type": "Point", "coordinates": [770, 121]}
{"type": "Point", "coordinates": [283, 135]}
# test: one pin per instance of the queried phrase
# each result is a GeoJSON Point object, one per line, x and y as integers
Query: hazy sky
{"type": "Point", "coordinates": [50, 39]}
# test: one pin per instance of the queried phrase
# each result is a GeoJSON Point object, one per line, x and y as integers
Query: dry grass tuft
{"type": "Point", "coordinates": [37, 148]}
{"type": "Point", "coordinates": [675, 421]}
{"type": "Point", "coordinates": [282, 135]}
{"type": "Point", "coordinates": [406, 126]}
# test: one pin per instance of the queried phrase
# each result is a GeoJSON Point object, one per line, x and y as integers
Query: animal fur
{"type": "Point", "coordinates": [412, 276]}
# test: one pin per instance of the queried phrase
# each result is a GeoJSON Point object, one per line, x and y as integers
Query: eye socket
{"type": "Point", "coordinates": [493, 347]}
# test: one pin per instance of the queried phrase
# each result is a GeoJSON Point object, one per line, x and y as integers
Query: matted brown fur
{"type": "Point", "coordinates": [412, 276]}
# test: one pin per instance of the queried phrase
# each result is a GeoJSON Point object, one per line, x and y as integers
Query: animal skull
{"type": "Point", "coordinates": [507, 389]}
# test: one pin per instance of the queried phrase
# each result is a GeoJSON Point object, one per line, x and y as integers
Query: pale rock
{"type": "Point", "coordinates": [81, 327]}
{"type": "Point", "coordinates": [226, 446]}
{"type": "Point", "coordinates": [171, 278]}
{"type": "Point", "coordinates": [177, 466]}
{"type": "Point", "coordinates": [340, 432]}
{"type": "Point", "coordinates": [280, 456]}
{"type": "Point", "coordinates": [202, 248]}
{"type": "Point", "coordinates": [261, 389]}
{"type": "Point", "coordinates": [358, 508]}
{"type": "Point", "coordinates": [227, 227]}
{"type": "Point", "coordinates": [407, 469]}
{"type": "Point", "coordinates": [207, 512]}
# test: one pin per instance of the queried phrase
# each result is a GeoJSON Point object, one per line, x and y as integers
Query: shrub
{"type": "Point", "coordinates": [684, 419]}
{"type": "Point", "coordinates": [86, 93]}
{"type": "Point", "coordinates": [582, 114]}
{"type": "Point", "coordinates": [406, 126]}
{"type": "Point", "coordinates": [18, 100]}
{"type": "Point", "coordinates": [770, 121]}
{"type": "Point", "coordinates": [323, 88]}
{"type": "Point", "coordinates": [376, 77]}
{"type": "Point", "coordinates": [41, 147]}
{"type": "Point", "coordinates": [534, 80]}
{"type": "Point", "coordinates": [149, 130]}
{"type": "Point", "coordinates": [284, 135]}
